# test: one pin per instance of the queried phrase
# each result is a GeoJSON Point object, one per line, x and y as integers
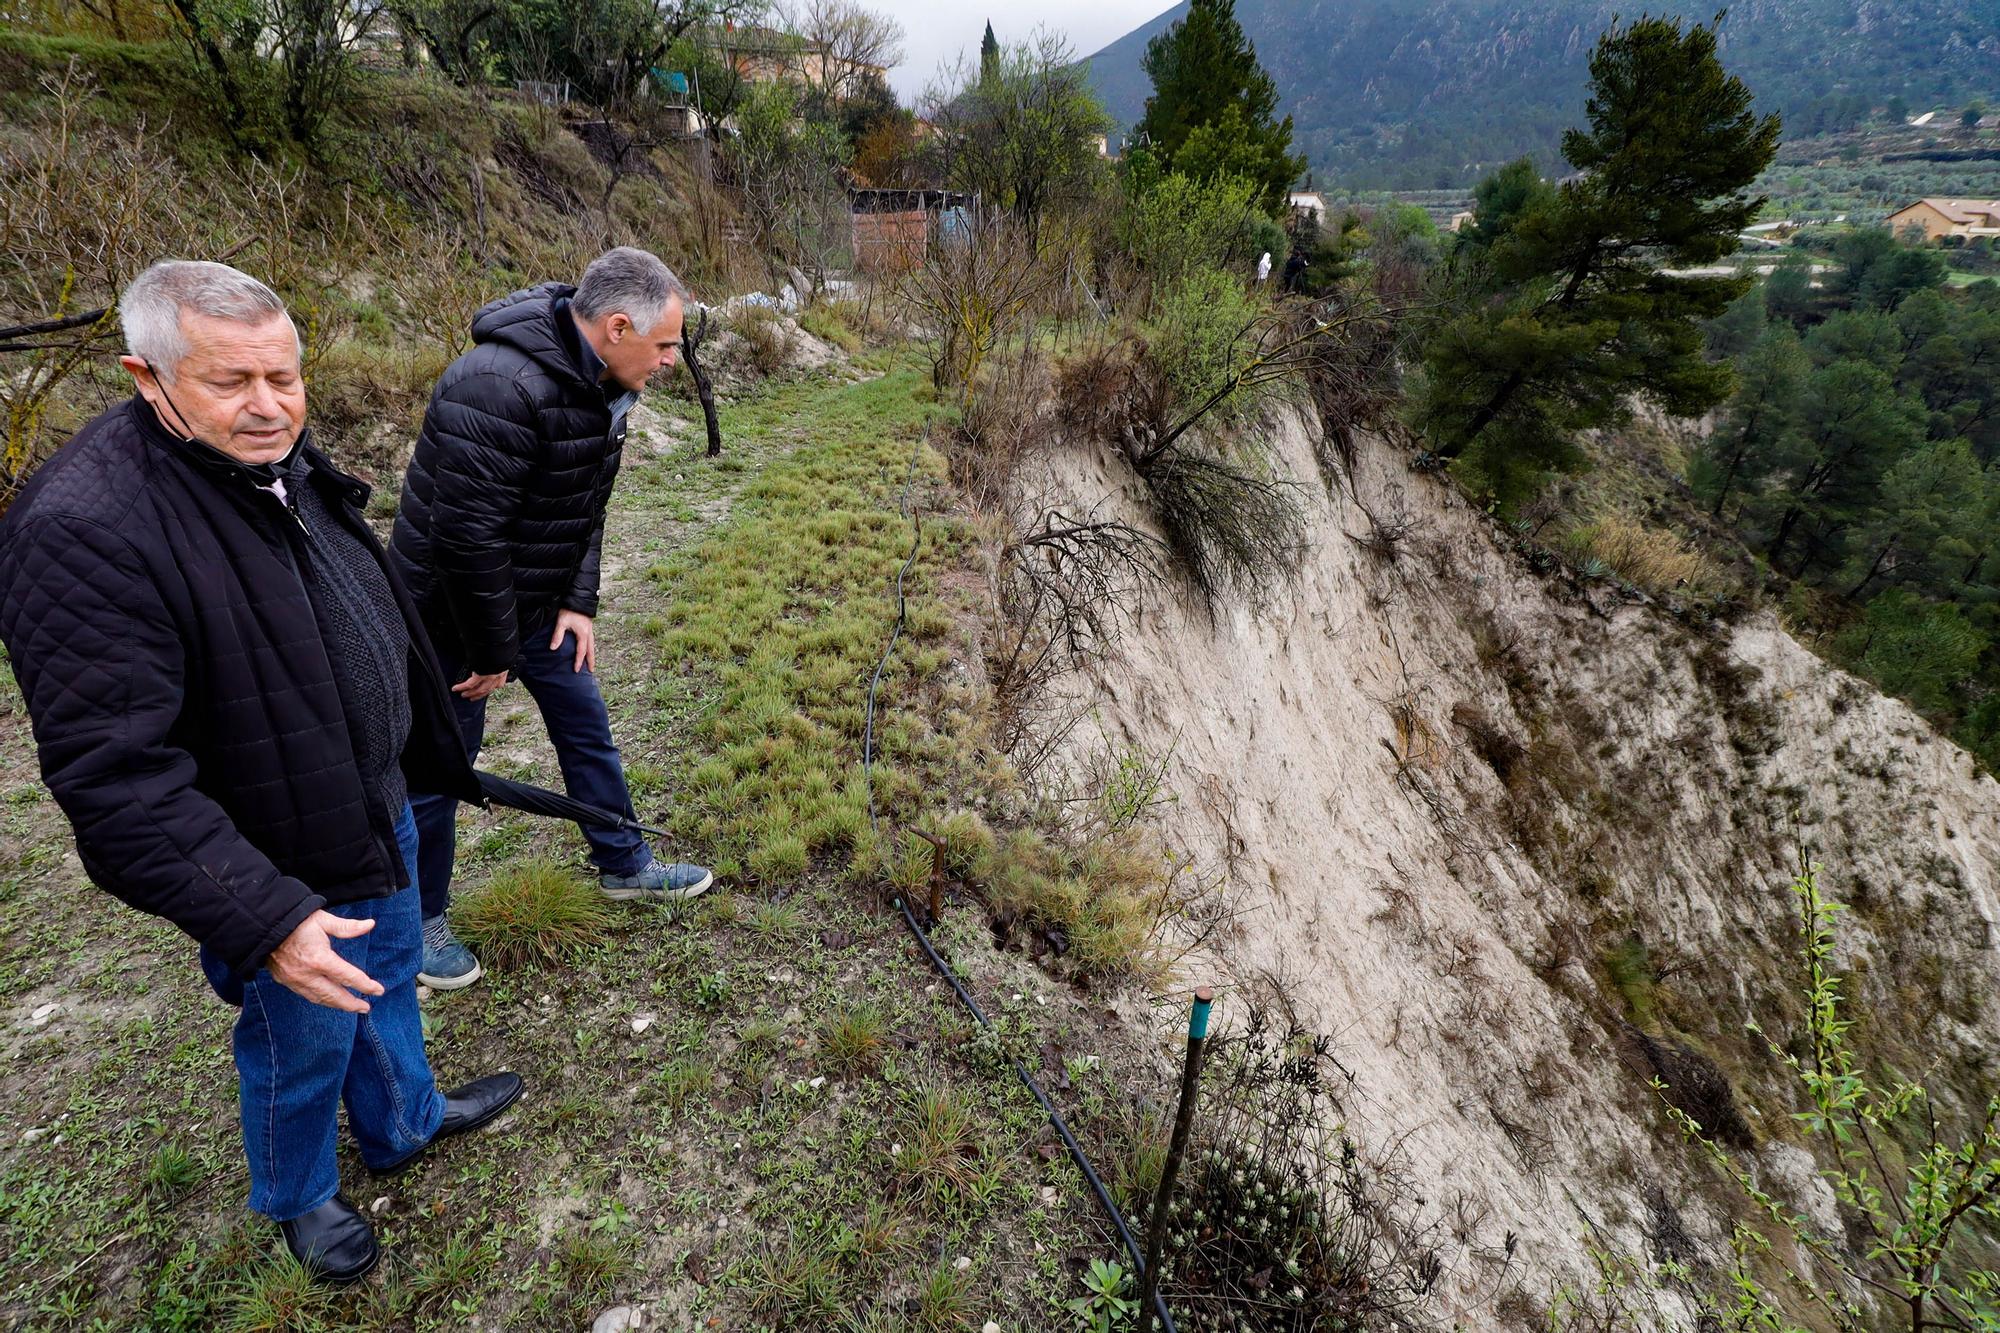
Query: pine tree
{"type": "Point", "coordinates": [1583, 315]}
{"type": "Point", "coordinates": [989, 56]}
{"type": "Point", "coordinates": [1205, 74]}
{"type": "Point", "coordinates": [1502, 199]}
{"type": "Point", "coordinates": [1853, 427]}
{"type": "Point", "coordinates": [1742, 452]}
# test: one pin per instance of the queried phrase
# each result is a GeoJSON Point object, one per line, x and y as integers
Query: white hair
{"type": "Point", "coordinates": [153, 305]}
{"type": "Point", "coordinates": [628, 282]}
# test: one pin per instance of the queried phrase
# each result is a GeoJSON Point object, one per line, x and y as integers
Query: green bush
{"type": "Point", "coordinates": [1916, 650]}
{"type": "Point", "coordinates": [1175, 225]}
{"type": "Point", "coordinates": [1204, 340]}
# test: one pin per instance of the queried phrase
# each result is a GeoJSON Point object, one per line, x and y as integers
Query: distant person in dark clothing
{"type": "Point", "coordinates": [1296, 263]}
{"type": "Point", "coordinates": [499, 534]}
{"type": "Point", "coordinates": [232, 697]}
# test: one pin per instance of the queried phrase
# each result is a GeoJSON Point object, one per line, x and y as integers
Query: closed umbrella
{"type": "Point", "coordinates": [541, 801]}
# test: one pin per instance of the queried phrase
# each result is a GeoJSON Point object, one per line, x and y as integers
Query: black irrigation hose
{"type": "Point", "coordinates": [1076, 1153]}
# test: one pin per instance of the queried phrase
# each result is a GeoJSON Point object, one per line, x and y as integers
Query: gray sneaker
{"type": "Point", "coordinates": [448, 964]}
{"type": "Point", "coordinates": [658, 879]}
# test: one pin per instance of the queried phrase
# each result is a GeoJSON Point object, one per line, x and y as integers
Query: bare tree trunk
{"type": "Point", "coordinates": [704, 390]}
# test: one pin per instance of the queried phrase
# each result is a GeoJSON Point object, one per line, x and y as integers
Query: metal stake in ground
{"type": "Point", "coordinates": [1197, 1039]}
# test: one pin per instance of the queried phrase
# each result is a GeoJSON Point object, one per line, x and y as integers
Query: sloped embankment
{"type": "Point", "coordinates": [1521, 843]}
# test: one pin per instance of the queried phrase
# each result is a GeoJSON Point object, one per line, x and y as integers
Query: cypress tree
{"type": "Point", "coordinates": [989, 56]}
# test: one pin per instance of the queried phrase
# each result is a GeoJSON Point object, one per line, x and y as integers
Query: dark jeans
{"type": "Point", "coordinates": [573, 711]}
{"type": "Point", "coordinates": [297, 1061]}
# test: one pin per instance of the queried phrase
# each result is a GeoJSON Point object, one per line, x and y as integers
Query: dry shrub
{"type": "Point", "coordinates": [1228, 522]}
{"type": "Point", "coordinates": [1277, 1223]}
{"type": "Point", "coordinates": [1653, 559]}
{"type": "Point", "coordinates": [1067, 583]}
{"type": "Point", "coordinates": [1354, 382]}
{"type": "Point", "coordinates": [974, 292]}
{"type": "Point", "coordinates": [763, 331]}
{"type": "Point", "coordinates": [441, 287]}
{"type": "Point", "coordinates": [1502, 753]}
{"type": "Point", "coordinates": [1226, 519]}
{"type": "Point", "coordinates": [82, 210]}
{"type": "Point", "coordinates": [367, 401]}
{"type": "Point", "coordinates": [1696, 1086]}
{"type": "Point", "coordinates": [1003, 419]}
{"type": "Point", "coordinates": [1115, 393]}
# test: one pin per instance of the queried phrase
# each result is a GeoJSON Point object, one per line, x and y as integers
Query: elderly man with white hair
{"type": "Point", "coordinates": [233, 697]}
{"type": "Point", "coordinates": [498, 535]}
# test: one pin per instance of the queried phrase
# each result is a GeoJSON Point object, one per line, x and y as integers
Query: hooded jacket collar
{"type": "Point", "coordinates": [531, 321]}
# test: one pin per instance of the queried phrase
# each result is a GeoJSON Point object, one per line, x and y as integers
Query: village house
{"type": "Point", "coordinates": [767, 55]}
{"type": "Point", "coordinates": [1939, 218]}
{"type": "Point", "coordinates": [1311, 203]}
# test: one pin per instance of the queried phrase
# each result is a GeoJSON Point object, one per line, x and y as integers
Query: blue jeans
{"type": "Point", "coordinates": [580, 727]}
{"type": "Point", "coordinates": [297, 1061]}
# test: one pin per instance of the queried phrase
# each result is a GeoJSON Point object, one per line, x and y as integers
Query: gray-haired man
{"type": "Point", "coordinates": [501, 524]}
{"type": "Point", "coordinates": [232, 699]}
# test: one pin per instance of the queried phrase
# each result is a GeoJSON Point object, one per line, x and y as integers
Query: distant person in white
{"type": "Point", "coordinates": [1264, 267]}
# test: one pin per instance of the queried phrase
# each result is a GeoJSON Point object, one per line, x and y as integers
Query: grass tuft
{"type": "Point", "coordinates": [535, 912]}
{"type": "Point", "coordinates": [277, 1296]}
{"type": "Point", "coordinates": [174, 1171]}
{"type": "Point", "coordinates": [853, 1037]}
{"type": "Point", "coordinates": [593, 1261]}
{"type": "Point", "coordinates": [941, 1146]}
{"type": "Point", "coordinates": [943, 1303]}
{"type": "Point", "coordinates": [683, 1081]}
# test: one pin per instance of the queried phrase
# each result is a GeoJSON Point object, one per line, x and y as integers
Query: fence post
{"type": "Point", "coordinates": [1197, 1039]}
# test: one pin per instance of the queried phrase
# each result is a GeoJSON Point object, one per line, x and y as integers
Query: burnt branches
{"type": "Point", "coordinates": [1064, 588]}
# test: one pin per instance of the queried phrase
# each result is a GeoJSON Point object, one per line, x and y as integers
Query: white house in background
{"type": "Point", "coordinates": [1924, 119]}
{"type": "Point", "coordinates": [1460, 221]}
{"type": "Point", "coordinates": [1310, 202]}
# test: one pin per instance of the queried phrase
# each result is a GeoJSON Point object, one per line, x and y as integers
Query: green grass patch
{"type": "Point", "coordinates": [789, 611]}
{"type": "Point", "coordinates": [531, 912]}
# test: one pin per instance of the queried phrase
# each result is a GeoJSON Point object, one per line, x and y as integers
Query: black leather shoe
{"type": "Point", "coordinates": [465, 1109]}
{"type": "Point", "coordinates": [333, 1241]}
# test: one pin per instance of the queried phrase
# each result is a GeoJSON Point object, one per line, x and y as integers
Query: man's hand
{"type": "Point", "coordinates": [476, 687]}
{"type": "Point", "coordinates": [585, 629]}
{"type": "Point", "coordinates": [306, 963]}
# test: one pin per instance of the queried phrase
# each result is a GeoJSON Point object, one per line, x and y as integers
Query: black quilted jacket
{"type": "Point", "coordinates": [502, 513]}
{"type": "Point", "coordinates": [186, 712]}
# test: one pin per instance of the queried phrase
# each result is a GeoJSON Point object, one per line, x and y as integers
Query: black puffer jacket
{"type": "Point", "coordinates": [174, 662]}
{"type": "Point", "coordinates": [502, 513]}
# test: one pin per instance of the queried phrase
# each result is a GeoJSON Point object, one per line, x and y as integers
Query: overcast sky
{"type": "Point", "coordinates": [937, 30]}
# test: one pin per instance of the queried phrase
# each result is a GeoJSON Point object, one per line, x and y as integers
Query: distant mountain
{"type": "Point", "coordinates": [1423, 94]}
